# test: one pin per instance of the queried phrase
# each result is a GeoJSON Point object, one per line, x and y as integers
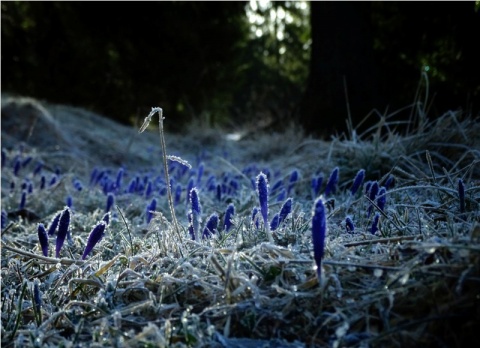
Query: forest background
{"type": "Point", "coordinates": [232, 64]}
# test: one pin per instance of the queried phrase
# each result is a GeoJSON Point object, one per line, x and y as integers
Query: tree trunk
{"type": "Point", "coordinates": [342, 63]}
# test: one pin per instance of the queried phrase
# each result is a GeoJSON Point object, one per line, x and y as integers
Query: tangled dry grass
{"type": "Point", "coordinates": [414, 283]}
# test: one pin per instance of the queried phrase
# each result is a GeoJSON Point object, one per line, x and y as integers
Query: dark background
{"type": "Point", "coordinates": [198, 60]}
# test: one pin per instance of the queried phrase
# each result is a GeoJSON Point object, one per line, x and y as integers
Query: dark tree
{"type": "Point", "coordinates": [117, 57]}
{"type": "Point", "coordinates": [375, 52]}
{"type": "Point", "coordinates": [342, 63]}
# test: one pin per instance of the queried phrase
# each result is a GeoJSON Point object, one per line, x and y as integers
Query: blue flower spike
{"type": "Point", "coordinates": [262, 190]}
{"type": "Point", "coordinates": [381, 198]}
{"type": "Point", "coordinates": [63, 226]}
{"type": "Point", "coordinates": [229, 213]}
{"type": "Point", "coordinates": [43, 239]}
{"type": "Point", "coordinates": [332, 182]}
{"type": "Point", "coordinates": [54, 224]}
{"type": "Point", "coordinates": [275, 222]}
{"type": "Point", "coordinates": [110, 201]}
{"type": "Point", "coordinates": [211, 226]}
{"type": "Point", "coordinates": [37, 294]}
{"type": "Point", "coordinates": [357, 182]}
{"type": "Point", "coordinates": [349, 224]}
{"type": "Point", "coordinates": [285, 210]}
{"type": "Point", "coordinates": [196, 210]}
{"type": "Point", "coordinates": [95, 236]}
{"type": "Point", "coordinates": [151, 207]}
{"type": "Point", "coordinates": [319, 230]}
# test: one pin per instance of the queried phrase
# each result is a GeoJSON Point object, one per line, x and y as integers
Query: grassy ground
{"type": "Point", "coordinates": [415, 282]}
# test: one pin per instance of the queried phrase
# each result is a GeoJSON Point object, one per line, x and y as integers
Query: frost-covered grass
{"type": "Point", "coordinates": [400, 265]}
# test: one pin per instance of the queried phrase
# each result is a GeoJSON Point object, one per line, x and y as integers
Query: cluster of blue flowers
{"type": "Point", "coordinates": [187, 186]}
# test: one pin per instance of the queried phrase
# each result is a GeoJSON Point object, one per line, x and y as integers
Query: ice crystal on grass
{"type": "Point", "coordinates": [95, 236]}
{"type": "Point", "coordinates": [319, 230]}
{"type": "Point", "coordinates": [63, 226]}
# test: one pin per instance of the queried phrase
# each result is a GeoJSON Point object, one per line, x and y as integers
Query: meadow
{"type": "Point", "coordinates": [113, 237]}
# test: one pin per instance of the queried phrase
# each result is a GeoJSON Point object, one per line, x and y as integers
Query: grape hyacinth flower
{"type": "Point", "coordinates": [461, 195]}
{"type": "Point", "coordinates": [275, 222]}
{"type": "Point", "coordinates": [190, 225]}
{"type": "Point", "coordinates": [78, 185]}
{"type": "Point", "coordinates": [63, 226]}
{"type": "Point", "coordinates": [285, 210]}
{"type": "Point", "coordinates": [190, 186]}
{"type": "Point", "coordinates": [381, 198]}
{"type": "Point", "coordinates": [358, 181]}
{"type": "Point", "coordinates": [106, 218]}
{"type": "Point", "coordinates": [95, 236]}
{"type": "Point", "coordinates": [332, 182]}
{"type": "Point", "coordinates": [390, 182]}
{"type": "Point", "coordinates": [38, 168]}
{"type": "Point", "coordinates": [196, 210]}
{"type": "Point", "coordinates": [292, 181]}
{"type": "Point", "coordinates": [26, 161]}
{"type": "Point", "coordinates": [229, 212]}
{"type": "Point", "coordinates": [43, 239]}
{"type": "Point", "coordinates": [349, 224]}
{"type": "Point", "coordinates": [69, 201]}
{"type": "Point", "coordinates": [262, 191]}
{"type": "Point", "coordinates": [219, 192]}
{"type": "Point", "coordinates": [54, 224]}
{"type": "Point", "coordinates": [255, 217]}
{"type": "Point", "coordinates": [118, 181]}
{"type": "Point", "coordinates": [151, 207]}
{"type": "Point", "coordinates": [319, 230]}
{"type": "Point", "coordinates": [211, 226]}
{"type": "Point", "coordinates": [374, 228]}
{"type": "Point", "coordinates": [110, 201]}
{"type": "Point", "coordinates": [4, 219]}
{"type": "Point", "coordinates": [53, 180]}
{"type": "Point", "coordinates": [372, 194]}
{"type": "Point", "coordinates": [37, 295]}
{"type": "Point", "coordinates": [16, 167]}
{"type": "Point", "coordinates": [317, 184]}
{"type": "Point", "coordinates": [23, 200]}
